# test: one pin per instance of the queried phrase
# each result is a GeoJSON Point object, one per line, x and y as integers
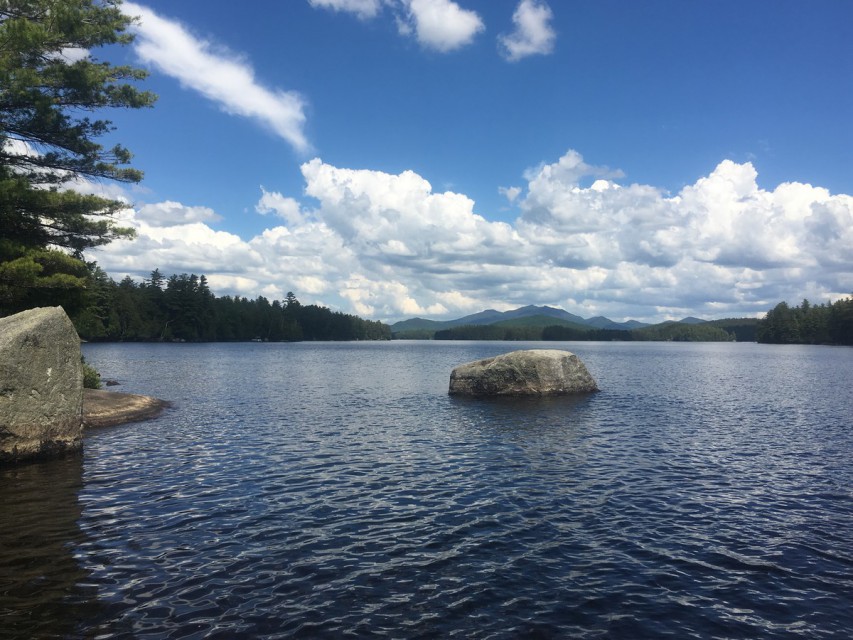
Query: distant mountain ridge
{"type": "Point", "coordinates": [491, 316]}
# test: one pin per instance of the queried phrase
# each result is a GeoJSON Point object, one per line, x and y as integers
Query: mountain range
{"type": "Point", "coordinates": [533, 314]}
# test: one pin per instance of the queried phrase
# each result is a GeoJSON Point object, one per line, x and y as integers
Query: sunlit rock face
{"type": "Point", "coordinates": [534, 372]}
{"type": "Point", "coordinates": [41, 385]}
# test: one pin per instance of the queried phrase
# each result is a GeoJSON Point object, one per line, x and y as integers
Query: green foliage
{"type": "Point", "coordinates": [182, 308]}
{"type": "Point", "coordinates": [42, 217]}
{"type": "Point", "coordinates": [472, 332]}
{"type": "Point", "coordinates": [517, 330]}
{"type": "Point", "coordinates": [562, 333]}
{"type": "Point", "coordinates": [680, 332]}
{"type": "Point", "coordinates": [35, 277]}
{"type": "Point", "coordinates": [48, 139]}
{"type": "Point", "coordinates": [830, 323]}
{"type": "Point", "coordinates": [91, 378]}
{"type": "Point", "coordinates": [46, 95]}
{"type": "Point", "coordinates": [415, 334]}
{"type": "Point", "coordinates": [742, 329]}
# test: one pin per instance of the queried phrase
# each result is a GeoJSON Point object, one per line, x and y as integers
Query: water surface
{"type": "Point", "coordinates": [336, 490]}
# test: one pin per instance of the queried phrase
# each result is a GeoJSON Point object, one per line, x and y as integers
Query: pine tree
{"type": "Point", "coordinates": [50, 82]}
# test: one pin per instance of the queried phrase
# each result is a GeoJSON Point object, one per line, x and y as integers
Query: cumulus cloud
{"type": "Point", "coordinates": [364, 9]}
{"type": "Point", "coordinates": [189, 246]}
{"type": "Point", "coordinates": [438, 25]}
{"type": "Point", "coordinates": [399, 220]}
{"type": "Point", "coordinates": [441, 25]}
{"type": "Point", "coordinates": [390, 246]}
{"type": "Point", "coordinates": [287, 209]}
{"type": "Point", "coordinates": [533, 34]}
{"type": "Point", "coordinates": [222, 77]}
{"type": "Point", "coordinates": [169, 213]}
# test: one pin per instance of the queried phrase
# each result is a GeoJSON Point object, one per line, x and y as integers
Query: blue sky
{"type": "Point", "coordinates": [395, 158]}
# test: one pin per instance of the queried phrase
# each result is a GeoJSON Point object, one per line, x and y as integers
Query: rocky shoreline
{"type": "Point", "coordinates": [109, 408]}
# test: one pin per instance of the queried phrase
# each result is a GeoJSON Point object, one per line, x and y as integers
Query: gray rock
{"type": "Point", "coordinates": [41, 385]}
{"type": "Point", "coordinates": [535, 372]}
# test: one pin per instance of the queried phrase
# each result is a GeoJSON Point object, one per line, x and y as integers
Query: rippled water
{"type": "Point", "coordinates": [336, 490]}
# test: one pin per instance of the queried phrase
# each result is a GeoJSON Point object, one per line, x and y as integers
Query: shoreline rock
{"type": "Point", "coordinates": [41, 386]}
{"type": "Point", "coordinates": [110, 408]}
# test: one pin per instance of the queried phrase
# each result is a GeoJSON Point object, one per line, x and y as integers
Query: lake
{"type": "Point", "coordinates": [335, 490]}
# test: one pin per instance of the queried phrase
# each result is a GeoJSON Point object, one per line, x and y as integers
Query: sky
{"type": "Point", "coordinates": [433, 158]}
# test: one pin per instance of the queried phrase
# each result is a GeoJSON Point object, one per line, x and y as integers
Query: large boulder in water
{"type": "Point", "coordinates": [41, 385]}
{"type": "Point", "coordinates": [535, 372]}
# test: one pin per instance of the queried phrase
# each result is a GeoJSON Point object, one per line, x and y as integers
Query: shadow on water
{"type": "Point", "coordinates": [526, 404]}
{"type": "Point", "coordinates": [521, 413]}
{"type": "Point", "coordinates": [42, 586]}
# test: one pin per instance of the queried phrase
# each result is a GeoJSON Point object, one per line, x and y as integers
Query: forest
{"type": "Point", "coordinates": [182, 308]}
{"type": "Point", "coordinates": [830, 323]}
{"type": "Point", "coordinates": [717, 331]}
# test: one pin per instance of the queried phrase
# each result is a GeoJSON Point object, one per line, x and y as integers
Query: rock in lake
{"type": "Point", "coordinates": [535, 372]}
{"type": "Point", "coordinates": [41, 385]}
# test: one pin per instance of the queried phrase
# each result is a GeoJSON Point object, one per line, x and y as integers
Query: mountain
{"type": "Point", "coordinates": [417, 324]}
{"type": "Point", "coordinates": [539, 316]}
{"type": "Point", "coordinates": [550, 312]}
{"type": "Point", "coordinates": [489, 316]}
{"type": "Point", "coordinates": [549, 324]}
{"type": "Point", "coordinates": [600, 322]}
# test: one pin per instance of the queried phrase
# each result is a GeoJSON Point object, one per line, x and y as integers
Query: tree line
{"type": "Point", "coordinates": [182, 308]}
{"type": "Point", "coordinates": [716, 331]}
{"type": "Point", "coordinates": [807, 323]}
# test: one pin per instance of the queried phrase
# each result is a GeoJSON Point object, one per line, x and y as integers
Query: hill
{"type": "Point", "coordinates": [417, 327]}
{"type": "Point", "coordinates": [541, 321]}
{"type": "Point", "coordinates": [600, 322]}
{"type": "Point", "coordinates": [549, 323]}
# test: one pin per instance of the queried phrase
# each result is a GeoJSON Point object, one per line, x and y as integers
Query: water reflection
{"type": "Point", "coordinates": [43, 590]}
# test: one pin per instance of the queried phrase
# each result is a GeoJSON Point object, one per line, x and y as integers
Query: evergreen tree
{"type": "Point", "coordinates": [808, 323]}
{"type": "Point", "coordinates": [95, 319]}
{"type": "Point", "coordinates": [183, 308]}
{"type": "Point", "coordinates": [840, 322]}
{"type": "Point", "coordinates": [49, 84]}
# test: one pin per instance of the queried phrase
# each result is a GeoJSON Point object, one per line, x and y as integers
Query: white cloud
{"type": "Point", "coordinates": [510, 193]}
{"type": "Point", "coordinates": [169, 213]}
{"type": "Point", "coordinates": [364, 9]}
{"type": "Point", "coordinates": [533, 34]}
{"type": "Point", "coordinates": [441, 25]}
{"type": "Point", "coordinates": [236, 285]}
{"type": "Point", "coordinates": [388, 246]}
{"type": "Point", "coordinates": [369, 209]}
{"type": "Point", "coordinates": [368, 295]}
{"type": "Point", "coordinates": [220, 76]}
{"type": "Point", "coordinates": [108, 190]}
{"type": "Point", "coordinates": [15, 147]}
{"type": "Point", "coordinates": [287, 209]}
{"type": "Point", "coordinates": [72, 54]}
{"type": "Point", "coordinates": [183, 243]}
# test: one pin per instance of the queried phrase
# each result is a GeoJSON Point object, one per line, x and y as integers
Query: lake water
{"type": "Point", "coordinates": [336, 490]}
